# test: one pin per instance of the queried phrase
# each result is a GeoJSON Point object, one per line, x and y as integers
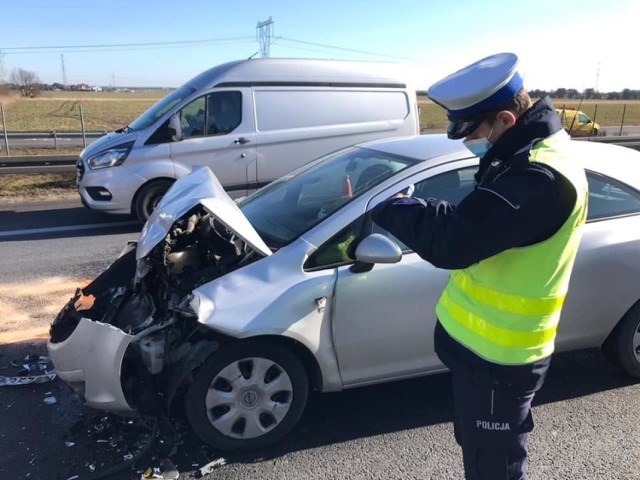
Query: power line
{"type": "Point", "coordinates": [124, 49]}
{"type": "Point", "coordinates": [124, 45]}
{"type": "Point", "coordinates": [334, 47]}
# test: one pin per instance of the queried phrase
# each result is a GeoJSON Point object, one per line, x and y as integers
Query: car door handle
{"type": "Point", "coordinates": [241, 141]}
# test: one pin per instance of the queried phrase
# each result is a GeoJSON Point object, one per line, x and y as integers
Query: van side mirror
{"type": "Point", "coordinates": [376, 248]}
{"type": "Point", "coordinates": [174, 129]}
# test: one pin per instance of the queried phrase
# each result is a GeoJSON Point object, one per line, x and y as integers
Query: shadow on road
{"type": "Point", "coordinates": [411, 404]}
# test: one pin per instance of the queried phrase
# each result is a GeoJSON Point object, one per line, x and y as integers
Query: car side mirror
{"type": "Point", "coordinates": [174, 129]}
{"type": "Point", "coordinates": [376, 248]}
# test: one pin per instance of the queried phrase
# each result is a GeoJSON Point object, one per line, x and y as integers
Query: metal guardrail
{"type": "Point", "coordinates": [53, 134]}
{"type": "Point", "coordinates": [38, 164]}
{"type": "Point", "coordinates": [12, 138]}
{"type": "Point", "coordinates": [67, 163]}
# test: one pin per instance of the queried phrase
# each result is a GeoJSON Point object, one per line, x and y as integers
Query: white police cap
{"type": "Point", "coordinates": [469, 94]}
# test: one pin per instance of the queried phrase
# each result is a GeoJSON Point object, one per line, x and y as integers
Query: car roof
{"type": "Point", "coordinates": [618, 162]}
{"type": "Point", "coordinates": [614, 161]}
{"type": "Point", "coordinates": [303, 71]}
{"type": "Point", "coordinates": [420, 147]}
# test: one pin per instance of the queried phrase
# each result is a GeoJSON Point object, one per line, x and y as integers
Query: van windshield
{"type": "Point", "coordinates": [158, 109]}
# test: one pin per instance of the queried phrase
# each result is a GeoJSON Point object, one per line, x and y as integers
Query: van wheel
{"type": "Point", "coordinates": [622, 347]}
{"type": "Point", "coordinates": [148, 198]}
{"type": "Point", "coordinates": [594, 132]}
{"type": "Point", "coordinates": [247, 396]}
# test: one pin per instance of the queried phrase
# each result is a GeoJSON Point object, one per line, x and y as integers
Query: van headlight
{"type": "Point", "coordinates": [110, 158]}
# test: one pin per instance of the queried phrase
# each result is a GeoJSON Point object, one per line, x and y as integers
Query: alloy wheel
{"type": "Point", "coordinates": [249, 397]}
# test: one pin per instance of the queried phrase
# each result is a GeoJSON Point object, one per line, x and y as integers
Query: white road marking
{"type": "Point", "coordinates": [68, 228]}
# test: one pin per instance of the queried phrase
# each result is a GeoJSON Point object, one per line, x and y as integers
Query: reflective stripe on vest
{"type": "Point", "coordinates": [506, 308]}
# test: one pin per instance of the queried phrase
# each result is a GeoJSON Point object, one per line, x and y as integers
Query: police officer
{"type": "Point", "coordinates": [511, 245]}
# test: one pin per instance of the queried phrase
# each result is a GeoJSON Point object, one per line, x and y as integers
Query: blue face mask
{"type": "Point", "coordinates": [478, 146]}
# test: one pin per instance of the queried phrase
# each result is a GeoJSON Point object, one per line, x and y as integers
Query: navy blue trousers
{"type": "Point", "coordinates": [492, 410]}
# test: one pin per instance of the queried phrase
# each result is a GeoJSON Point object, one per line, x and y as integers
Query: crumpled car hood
{"type": "Point", "coordinates": [201, 186]}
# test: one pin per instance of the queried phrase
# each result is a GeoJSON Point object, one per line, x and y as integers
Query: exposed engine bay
{"type": "Point", "coordinates": [146, 301]}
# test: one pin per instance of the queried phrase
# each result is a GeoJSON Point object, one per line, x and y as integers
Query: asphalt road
{"type": "Point", "coordinates": [586, 414]}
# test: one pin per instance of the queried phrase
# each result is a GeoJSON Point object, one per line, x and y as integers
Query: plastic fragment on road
{"type": "Point", "coordinates": [27, 380]}
{"type": "Point", "coordinates": [69, 444]}
{"type": "Point", "coordinates": [75, 477]}
{"type": "Point", "coordinates": [211, 466]}
{"type": "Point", "coordinates": [169, 470]}
{"type": "Point", "coordinates": [50, 399]}
{"type": "Point", "coordinates": [27, 368]}
{"type": "Point", "coordinates": [166, 471]}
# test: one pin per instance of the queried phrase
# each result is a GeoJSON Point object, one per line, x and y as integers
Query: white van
{"type": "Point", "coordinates": [251, 121]}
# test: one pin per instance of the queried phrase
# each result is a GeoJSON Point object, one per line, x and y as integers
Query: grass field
{"type": "Point", "coordinates": [60, 111]}
{"type": "Point", "coordinates": [609, 112]}
{"type": "Point", "coordinates": [36, 186]}
{"type": "Point", "coordinates": [111, 110]}
{"type": "Point", "coordinates": [107, 111]}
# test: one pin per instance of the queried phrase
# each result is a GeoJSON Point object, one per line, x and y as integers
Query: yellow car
{"type": "Point", "coordinates": [577, 123]}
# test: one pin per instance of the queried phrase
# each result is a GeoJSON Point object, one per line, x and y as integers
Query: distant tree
{"type": "Point", "coordinates": [626, 94]}
{"type": "Point", "coordinates": [573, 93]}
{"type": "Point", "coordinates": [27, 81]}
{"type": "Point", "coordinates": [589, 93]}
{"type": "Point", "coordinates": [536, 93]}
{"type": "Point", "coordinates": [560, 93]}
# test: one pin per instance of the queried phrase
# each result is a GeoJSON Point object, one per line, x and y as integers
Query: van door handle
{"type": "Point", "coordinates": [241, 141]}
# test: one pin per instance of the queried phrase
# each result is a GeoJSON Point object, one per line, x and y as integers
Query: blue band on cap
{"type": "Point", "coordinates": [501, 96]}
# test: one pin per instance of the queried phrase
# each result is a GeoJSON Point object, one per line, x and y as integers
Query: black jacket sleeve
{"type": "Point", "coordinates": [521, 209]}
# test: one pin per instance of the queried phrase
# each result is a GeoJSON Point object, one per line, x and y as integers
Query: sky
{"type": "Point", "coordinates": [572, 43]}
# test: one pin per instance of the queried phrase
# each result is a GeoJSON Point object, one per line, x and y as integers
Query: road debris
{"type": "Point", "coordinates": [211, 466]}
{"type": "Point", "coordinates": [49, 399]}
{"type": "Point", "coordinates": [31, 369]}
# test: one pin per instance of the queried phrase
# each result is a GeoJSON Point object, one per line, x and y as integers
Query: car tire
{"type": "Point", "coordinates": [247, 396]}
{"type": "Point", "coordinates": [148, 197]}
{"type": "Point", "coordinates": [594, 132]}
{"type": "Point", "coordinates": [622, 346]}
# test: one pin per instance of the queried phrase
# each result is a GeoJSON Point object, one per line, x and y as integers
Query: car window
{"type": "Point", "coordinates": [583, 118]}
{"type": "Point", "coordinates": [610, 198]}
{"type": "Point", "coordinates": [215, 114]}
{"type": "Point", "coordinates": [338, 250]}
{"type": "Point", "coordinates": [192, 118]}
{"type": "Point", "coordinates": [224, 112]}
{"type": "Point", "coordinates": [451, 186]}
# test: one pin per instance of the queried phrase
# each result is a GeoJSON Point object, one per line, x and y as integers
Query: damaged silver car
{"type": "Point", "coordinates": [239, 310]}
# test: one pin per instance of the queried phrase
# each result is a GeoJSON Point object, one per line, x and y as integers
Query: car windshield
{"type": "Point", "coordinates": [288, 207]}
{"type": "Point", "coordinates": [158, 109]}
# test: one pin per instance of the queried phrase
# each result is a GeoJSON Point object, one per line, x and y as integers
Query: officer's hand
{"type": "Point", "coordinates": [442, 207]}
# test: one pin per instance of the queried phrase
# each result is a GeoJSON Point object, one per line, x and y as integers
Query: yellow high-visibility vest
{"type": "Point", "coordinates": [506, 308]}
